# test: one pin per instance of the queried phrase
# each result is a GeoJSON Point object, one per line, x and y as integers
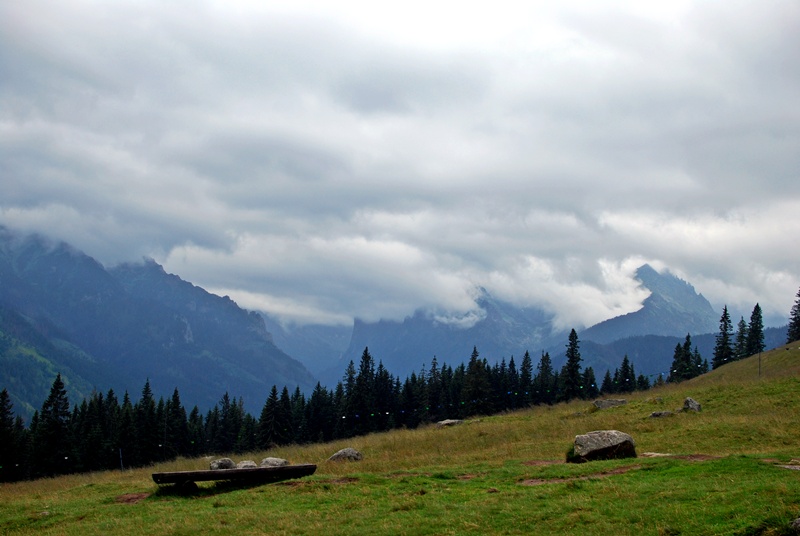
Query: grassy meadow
{"type": "Point", "coordinates": [494, 475]}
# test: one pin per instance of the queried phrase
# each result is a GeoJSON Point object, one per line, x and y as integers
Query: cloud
{"type": "Point", "coordinates": [326, 162]}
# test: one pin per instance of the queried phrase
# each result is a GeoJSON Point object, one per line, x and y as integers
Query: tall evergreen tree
{"type": "Point", "coordinates": [570, 376]}
{"type": "Point", "coordinates": [793, 333]}
{"type": "Point", "coordinates": [607, 387]}
{"type": "Point", "coordinates": [627, 377]}
{"type": "Point", "coordinates": [723, 347]}
{"type": "Point", "coordinates": [740, 346]}
{"type": "Point", "coordinates": [52, 440]}
{"type": "Point", "coordinates": [477, 393]}
{"type": "Point", "coordinates": [590, 388]}
{"type": "Point", "coordinates": [9, 445]}
{"type": "Point", "coordinates": [268, 423]}
{"type": "Point", "coordinates": [544, 383]}
{"type": "Point", "coordinates": [755, 332]}
{"type": "Point", "coordinates": [526, 379]}
{"type": "Point", "coordinates": [147, 430]}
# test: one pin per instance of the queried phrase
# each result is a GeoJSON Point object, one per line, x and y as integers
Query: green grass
{"type": "Point", "coordinates": [489, 476]}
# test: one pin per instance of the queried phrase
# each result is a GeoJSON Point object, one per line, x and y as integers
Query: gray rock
{"type": "Point", "coordinates": [448, 422]}
{"type": "Point", "coordinates": [346, 455]}
{"type": "Point", "coordinates": [609, 403]}
{"type": "Point", "coordinates": [795, 525]}
{"type": "Point", "coordinates": [222, 463]}
{"type": "Point", "coordinates": [602, 445]}
{"type": "Point", "coordinates": [690, 404]}
{"type": "Point", "coordinates": [657, 414]}
{"type": "Point", "coordinates": [246, 464]}
{"type": "Point", "coordinates": [274, 462]}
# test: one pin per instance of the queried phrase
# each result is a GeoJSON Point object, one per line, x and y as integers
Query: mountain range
{"type": "Point", "coordinates": [117, 328]}
{"type": "Point", "coordinates": [61, 311]}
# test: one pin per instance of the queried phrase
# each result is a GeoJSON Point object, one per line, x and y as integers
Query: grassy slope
{"type": "Point", "coordinates": [472, 479]}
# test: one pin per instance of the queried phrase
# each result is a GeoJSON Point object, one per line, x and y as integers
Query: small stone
{"type": "Point", "coordinates": [657, 414]}
{"type": "Point", "coordinates": [348, 454]}
{"type": "Point", "coordinates": [274, 462]}
{"type": "Point", "coordinates": [609, 403]}
{"type": "Point", "coordinates": [449, 422]}
{"type": "Point", "coordinates": [690, 404]}
{"type": "Point", "coordinates": [222, 463]}
{"type": "Point", "coordinates": [246, 464]}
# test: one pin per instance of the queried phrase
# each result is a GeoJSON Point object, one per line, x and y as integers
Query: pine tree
{"type": "Point", "coordinates": [723, 348]}
{"type": "Point", "coordinates": [477, 391]}
{"type": "Point", "coordinates": [267, 432]}
{"type": "Point", "coordinates": [9, 447]}
{"type": "Point", "coordinates": [642, 383]}
{"type": "Point", "coordinates": [544, 383]}
{"type": "Point", "coordinates": [793, 333]}
{"type": "Point", "coordinates": [570, 376]}
{"type": "Point", "coordinates": [740, 347]}
{"type": "Point", "coordinates": [607, 386]}
{"type": "Point", "coordinates": [526, 380]}
{"type": "Point", "coordinates": [147, 430]}
{"type": "Point", "coordinates": [590, 388]}
{"type": "Point", "coordinates": [52, 440]}
{"type": "Point", "coordinates": [755, 332]}
{"type": "Point", "coordinates": [627, 376]}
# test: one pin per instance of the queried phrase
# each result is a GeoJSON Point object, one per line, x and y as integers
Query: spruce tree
{"type": "Point", "coordinates": [526, 379]}
{"type": "Point", "coordinates": [740, 346]}
{"type": "Point", "coordinates": [570, 376]}
{"type": "Point", "coordinates": [9, 447]}
{"type": "Point", "coordinates": [723, 347]}
{"type": "Point", "coordinates": [793, 333]}
{"type": "Point", "coordinates": [755, 332]}
{"type": "Point", "coordinates": [627, 376]}
{"type": "Point", "coordinates": [267, 432]}
{"type": "Point", "coordinates": [52, 440]}
{"type": "Point", "coordinates": [607, 386]}
{"type": "Point", "coordinates": [590, 388]}
{"type": "Point", "coordinates": [544, 383]}
{"type": "Point", "coordinates": [477, 393]}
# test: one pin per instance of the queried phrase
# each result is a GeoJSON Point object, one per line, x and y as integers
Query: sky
{"type": "Point", "coordinates": [324, 161]}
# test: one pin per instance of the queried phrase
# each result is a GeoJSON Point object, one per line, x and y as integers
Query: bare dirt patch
{"type": "Point", "coordinates": [131, 498]}
{"type": "Point", "coordinates": [602, 474]}
{"type": "Point", "coordinates": [541, 463]}
{"type": "Point", "coordinates": [344, 480]}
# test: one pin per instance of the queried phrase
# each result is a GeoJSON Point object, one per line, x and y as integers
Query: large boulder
{"type": "Point", "coordinates": [346, 455]}
{"type": "Point", "coordinates": [601, 445]}
{"type": "Point", "coordinates": [246, 464]}
{"type": "Point", "coordinates": [274, 462]}
{"type": "Point", "coordinates": [222, 463]}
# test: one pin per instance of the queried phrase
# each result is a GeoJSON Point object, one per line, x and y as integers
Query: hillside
{"type": "Point", "coordinates": [497, 475]}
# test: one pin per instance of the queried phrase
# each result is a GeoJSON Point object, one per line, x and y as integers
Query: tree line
{"type": "Point", "coordinates": [102, 432]}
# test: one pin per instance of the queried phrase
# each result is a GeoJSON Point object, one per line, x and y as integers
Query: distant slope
{"type": "Point", "coordinates": [672, 309]}
{"type": "Point", "coordinates": [117, 328]}
{"type": "Point", "coordinates": [499, 331]}
{"type": "Point", "coordinates": [318, 347]}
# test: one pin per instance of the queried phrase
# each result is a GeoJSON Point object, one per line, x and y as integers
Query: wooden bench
{"type": "Point", "coordinates": [253, 475]}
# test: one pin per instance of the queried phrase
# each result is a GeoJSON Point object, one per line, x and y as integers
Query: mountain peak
{"type": "Point", "coordinates": [673, 308]}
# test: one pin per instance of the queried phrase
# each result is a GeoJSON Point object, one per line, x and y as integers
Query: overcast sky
{"type": "Point", "coordinates": [329, 160]}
